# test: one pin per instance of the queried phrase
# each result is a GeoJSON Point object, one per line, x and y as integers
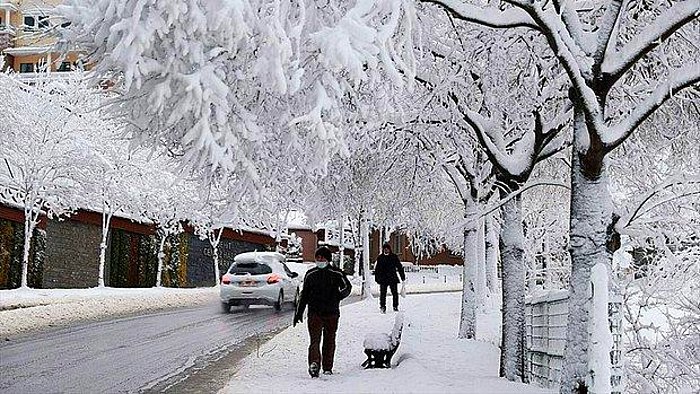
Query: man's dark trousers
{"type": "Point", "coordinates": [394, 295]}
{"type": "Point", "coordinates": [326, 325]}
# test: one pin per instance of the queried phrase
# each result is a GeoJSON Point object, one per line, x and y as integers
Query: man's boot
{"type": "Point", "coordinates": [313, 370]}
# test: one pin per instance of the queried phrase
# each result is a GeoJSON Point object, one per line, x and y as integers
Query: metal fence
{"type": "Point", "coordinates": [545, 337]}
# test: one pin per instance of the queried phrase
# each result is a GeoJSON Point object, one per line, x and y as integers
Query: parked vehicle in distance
{"type": "Point", "coordinates": [258, 278]}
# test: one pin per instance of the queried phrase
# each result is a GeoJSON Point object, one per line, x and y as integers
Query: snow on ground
{"type": "Point", "coordinates": [431, 358]}
{"type": "Point", "coordinates": [24, 310]}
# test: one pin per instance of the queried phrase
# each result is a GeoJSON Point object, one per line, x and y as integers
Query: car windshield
{"type": "Point", "coordinates": [252, 268]}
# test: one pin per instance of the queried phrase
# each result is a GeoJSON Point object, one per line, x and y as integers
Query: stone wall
{"type": "Point", "coordinates": [200, 267]}
{"type": "Point", "coordinates": [65, 254]}
{"type": "Point", "coordinates": [72, 254]}
{"type": "Point", "coordinates": [12, 252]}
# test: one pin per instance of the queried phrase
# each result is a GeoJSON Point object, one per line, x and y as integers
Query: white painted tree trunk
{"type": "Point", "coordinates": [29, 225]}
{"type": "Point", "coordinates": [467, 322]}
{"type": "Point", "coordinates": [161, 257]}
{"type": "Point", "coordinates": [591, 213]}
{"type": "Point", "coordinates": [512, 253]}
{"type": "Point", "coordinates": [492, 255]}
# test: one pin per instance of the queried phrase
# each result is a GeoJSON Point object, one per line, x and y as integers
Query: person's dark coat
{"type": "Point", "coordinates": [385, 272]}
{"type": "Point", "coordinates": [323, 290]}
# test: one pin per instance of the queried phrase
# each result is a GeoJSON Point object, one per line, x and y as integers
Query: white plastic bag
{"type": "Point", "coordinates": [403, 289]}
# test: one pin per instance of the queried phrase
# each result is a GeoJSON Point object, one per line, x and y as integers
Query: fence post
{"type": "Point", "coordinates": [600, 337]}
{"type": "Point", "coordinates": [615, 317]}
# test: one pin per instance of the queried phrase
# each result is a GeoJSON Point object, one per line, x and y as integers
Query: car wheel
{"type": "Point", "coordinates": [280, 300]}
{"type": "Point", "coordinates": [225, 307]}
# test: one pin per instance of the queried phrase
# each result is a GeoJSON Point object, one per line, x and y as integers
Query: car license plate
{"type": "Point", "coordinates": [248, 283]}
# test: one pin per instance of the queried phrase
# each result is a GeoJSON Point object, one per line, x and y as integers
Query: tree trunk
{"type": "Point", "coordinates": [161, 256]}
{"type": "Point", "coordinates": [591, 214]}
{"type": "Point", "coordinates": [480, 265]}
{"type": "Point", "coordinates": [214, 240]}
{"type": "Point", "coordinates": [29, 224]}
{"type": "Point", "coordinates": [513, 335]}
{"type": "Point", "coordinates": [106, 219]}
{"type": "Point", "coordinates": [366, 285]}
{"type": "Point", "coordinates": [341, 243]}
{"type": "Point", "coordinates": [491, 255]}
{"type": "Point", "coordinates": [467, 322]}
{"type": "Point", "coordinates": [215, 253]}
{"type": "Point", "coordinates": [357, 239]}
{"type": "Point", "coordinates": [387, 237]}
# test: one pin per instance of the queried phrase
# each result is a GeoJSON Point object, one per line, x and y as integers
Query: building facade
{"type": "Point", "coordinates": [401, 245]}
{"type": "Point", "coordinates": [65, 253]}
{"type": "Point", "coordinates": [27, 38]}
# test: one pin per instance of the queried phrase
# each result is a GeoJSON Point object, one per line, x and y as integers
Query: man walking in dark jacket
{"type": "Point", "coordinates": [324, 287]}
{"type": "Point", "coordinates": [385, 270]}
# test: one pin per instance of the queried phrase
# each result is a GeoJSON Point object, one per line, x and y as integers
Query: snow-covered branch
{"type": "Point", "coordinates": [635, 212]}
{"type": "Point", "coordinates": [610, 19]}
{"type": "Point", "coordinates": [678, 79]}
{"type": "Point", "coordinates": [571, 57]}
{"type": "Point", "coordinates": [670, 21]}
{"type": "Point", "coordinates": [525, 187]}
{"type": "Point", "coordinates": [490, 16]}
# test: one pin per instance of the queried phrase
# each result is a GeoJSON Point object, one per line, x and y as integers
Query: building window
{"type": "Point", "coordinates": [26, 67]}
{"type": "Point", "coordinates": [65, 66]}
{"type": "Point", "coordinates": [29, 22]}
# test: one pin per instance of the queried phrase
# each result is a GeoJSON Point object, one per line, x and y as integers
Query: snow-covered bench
{"type": "Point", "coordinates": [380, 347]}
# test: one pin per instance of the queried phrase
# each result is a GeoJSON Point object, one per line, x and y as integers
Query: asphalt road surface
{"type": "Point", "coordinates": [150, 353]}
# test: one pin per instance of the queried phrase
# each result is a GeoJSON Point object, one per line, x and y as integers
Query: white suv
{"type": "Point", "coordinates": [258, 278]}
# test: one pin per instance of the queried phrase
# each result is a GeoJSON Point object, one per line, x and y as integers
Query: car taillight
{"type": "Point", "coordinates": [226, 280]}
{"type": "Point", "coordinates": [273, 278]}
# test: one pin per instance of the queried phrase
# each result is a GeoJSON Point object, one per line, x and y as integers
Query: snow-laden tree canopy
{"type": "Point", "coordinates": [229, 84]}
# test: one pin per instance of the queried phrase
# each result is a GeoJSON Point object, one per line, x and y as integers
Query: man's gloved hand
{"type": "Point", "coordinates": [297, 319]}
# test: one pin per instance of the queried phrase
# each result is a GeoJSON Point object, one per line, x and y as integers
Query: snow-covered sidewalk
{"type": "Point", "coordinates": [25, 310]}
{"type": "Point", "coordinates": [431, 358]}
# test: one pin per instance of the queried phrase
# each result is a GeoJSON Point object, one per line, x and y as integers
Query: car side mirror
{"type": "Point", "coordinates": [293, 275]}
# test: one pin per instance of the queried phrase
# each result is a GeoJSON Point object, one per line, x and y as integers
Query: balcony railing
{"type": "Point", "coordinates": [9, 4]}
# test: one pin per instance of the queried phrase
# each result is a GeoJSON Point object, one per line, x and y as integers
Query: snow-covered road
{"type": "Point", "coordinates": [149, 352]}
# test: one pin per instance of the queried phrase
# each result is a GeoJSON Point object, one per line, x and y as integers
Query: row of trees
{"type": "Point", "coordinates": [61, 152]}
{"type": "Point", "coordinates": [454, 101]}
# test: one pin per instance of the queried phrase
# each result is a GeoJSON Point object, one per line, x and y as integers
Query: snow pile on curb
{"type": "Point", "coordinates": [25, 310]}
{"type": "Point", "coordinates": [430, 359]}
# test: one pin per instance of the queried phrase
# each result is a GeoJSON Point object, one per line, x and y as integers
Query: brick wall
{"type": "Point", "coordinates": [72, 254]}
{"type": "Point", "coordinates": [309, 243]}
